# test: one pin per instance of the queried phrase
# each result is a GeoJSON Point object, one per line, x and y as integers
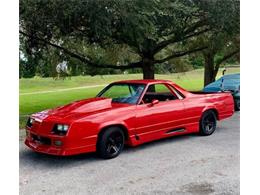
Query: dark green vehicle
{"type": "Point", "coordinates": [230, 83]}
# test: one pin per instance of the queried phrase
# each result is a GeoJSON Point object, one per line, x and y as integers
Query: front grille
{"type": "Point", "coordinates": [41, 140]}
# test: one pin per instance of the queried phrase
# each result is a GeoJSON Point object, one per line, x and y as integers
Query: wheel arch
{"type": "Point", "coordinates": [121, 126]}
{"type": "Point", "coordinates": [212, 109]}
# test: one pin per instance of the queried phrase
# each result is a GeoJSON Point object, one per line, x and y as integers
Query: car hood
{"type": "Point", "coordinates": [76, 110]}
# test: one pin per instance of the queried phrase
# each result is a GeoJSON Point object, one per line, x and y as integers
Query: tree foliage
{"type": "Point", "coordinates": [223, 39]}
{"type": "Point", "coordinates": [123, 34]}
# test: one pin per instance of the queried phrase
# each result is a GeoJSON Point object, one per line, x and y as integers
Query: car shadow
{"type": "Point", "coordinates": [32, 158]}
{"type": "Point", "coordinates": [163, 141]}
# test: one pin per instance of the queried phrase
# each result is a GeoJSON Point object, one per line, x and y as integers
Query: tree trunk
{"type": "Point", "coordinates": [209, 75]}
{"type": "Point", "coordinates": [148, 69]}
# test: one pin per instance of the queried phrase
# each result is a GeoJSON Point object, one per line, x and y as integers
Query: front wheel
{"type": "Point", "coordinates": [110, 143]}
{"type": "Point", "coordinates": [208, 123]}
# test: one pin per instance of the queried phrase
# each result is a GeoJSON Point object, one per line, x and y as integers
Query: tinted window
{"type": "Point", "coordinates": [159, 92]}
{"type": "Point", "coordinates": [123, 92]}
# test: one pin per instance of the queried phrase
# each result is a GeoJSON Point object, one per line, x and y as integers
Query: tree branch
{"type": "Point", "coordinates": [226, 57]}
{"type": "Point", "coordinates": [197, 33]}
{"type": "Point", "coordinates": [165, 43]}
{"type": "Point", "coordinates": [179, 54]}
{"type": "Point", "coordinates": [83, 59]}
{"type": "Point", "coordinates": [195, 26]}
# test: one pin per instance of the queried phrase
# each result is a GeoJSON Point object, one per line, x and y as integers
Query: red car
{"type": "Point", "coordinates": [126, 112]}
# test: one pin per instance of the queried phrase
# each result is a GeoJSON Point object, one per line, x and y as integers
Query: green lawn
{"type": "Point", "coordinates": [31, 103]}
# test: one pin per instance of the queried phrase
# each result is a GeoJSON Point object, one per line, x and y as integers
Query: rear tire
{"type": "Point", "coordinates": [237, 104]}
{"type": "Point", "coordinates": [208, 123]}
{"type": "Point", "coordinates": [110, 143]}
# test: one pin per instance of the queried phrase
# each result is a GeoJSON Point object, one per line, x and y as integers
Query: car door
{"type": "Point", "coordinates": [161, 118]}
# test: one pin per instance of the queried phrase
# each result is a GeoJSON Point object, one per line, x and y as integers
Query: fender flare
{"type": "Point", "coordinates": [211, 107]}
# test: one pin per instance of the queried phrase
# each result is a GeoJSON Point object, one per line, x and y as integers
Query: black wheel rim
{"type": "Point", "coordinates": [209, 123]}
{"type": "Point", "coordinates": [114, 143]}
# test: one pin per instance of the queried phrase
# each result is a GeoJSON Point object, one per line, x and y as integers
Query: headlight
{"type": "Point", "coordinates": [29, 122]}
{"type": "Point", "coordinates": [60, 129]}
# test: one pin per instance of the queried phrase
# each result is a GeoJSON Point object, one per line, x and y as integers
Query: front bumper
{"type": "Point", "coordinates": [45, 148]}
{"type": "Point", "coordinates": [46, 144]}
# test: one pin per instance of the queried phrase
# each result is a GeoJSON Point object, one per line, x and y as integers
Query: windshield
{"type": "Point", "coordinates": [123, 92]}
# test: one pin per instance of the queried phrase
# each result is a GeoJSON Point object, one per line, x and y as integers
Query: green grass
{"type": "Point", "coordinates": [31, 103]}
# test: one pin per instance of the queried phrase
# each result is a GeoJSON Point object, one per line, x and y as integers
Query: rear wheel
{"type": "Point", "coordinates": [110, 143]}
{"type": "Point", "coordinates": [208, 123]}
{"type": "Point", "coordinates": [237, 104]}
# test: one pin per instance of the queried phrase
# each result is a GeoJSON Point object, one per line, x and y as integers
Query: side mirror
{"type": "Point", "coordinates": [154, 102]}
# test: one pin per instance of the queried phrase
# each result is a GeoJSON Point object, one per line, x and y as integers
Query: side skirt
{"type": "Point", "coordinates": [175, 130]}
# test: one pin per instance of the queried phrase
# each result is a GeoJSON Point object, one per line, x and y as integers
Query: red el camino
{"type": "Point", "coordinates": [126, 112]}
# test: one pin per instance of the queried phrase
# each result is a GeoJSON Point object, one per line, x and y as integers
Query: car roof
{"type": "Point", "coordinates": [230, 81]}
{"type": "Point", "coordinates": [231, 76]}
{"type": "Point", "coordinates": [143, 81]}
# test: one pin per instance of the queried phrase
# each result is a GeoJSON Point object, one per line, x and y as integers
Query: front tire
{"type": "Point", "coordinates": [208, 123]}
{"type": "Point", "coordinates": [110, 143]}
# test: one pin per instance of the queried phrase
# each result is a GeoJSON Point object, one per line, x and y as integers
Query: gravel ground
{"type": "Point", "coordinates": [188, 164]}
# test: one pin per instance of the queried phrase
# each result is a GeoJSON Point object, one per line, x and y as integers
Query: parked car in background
{"type": "Point", "coordinates": [230, 83]}
{"type": "Point", "coordinates": [126, 112]}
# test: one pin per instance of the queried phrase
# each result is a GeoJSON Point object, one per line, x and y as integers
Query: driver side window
{"type": "Point", "coordinates": [158, 92]}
